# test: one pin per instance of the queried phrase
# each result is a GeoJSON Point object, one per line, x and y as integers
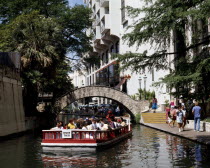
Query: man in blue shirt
{"type": "Point", "coordinates": [197, 116]}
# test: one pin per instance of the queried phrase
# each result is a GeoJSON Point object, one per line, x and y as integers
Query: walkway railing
{"type": "Point", "coordinates": [79, 134]}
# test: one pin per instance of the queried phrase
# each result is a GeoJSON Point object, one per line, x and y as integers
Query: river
{"type": "Point", "coordinates": [147, 148]}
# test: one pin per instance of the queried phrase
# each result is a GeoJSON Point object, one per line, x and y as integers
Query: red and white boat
{"type": "Point", "coordinates": [84, 138]}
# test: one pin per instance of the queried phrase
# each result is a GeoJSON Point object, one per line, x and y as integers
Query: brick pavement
{"type": "Point", "coordinates": [201, 137]}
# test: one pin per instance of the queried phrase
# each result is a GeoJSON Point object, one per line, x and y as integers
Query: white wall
{"type": "Point", "coordinates": [117, 29]}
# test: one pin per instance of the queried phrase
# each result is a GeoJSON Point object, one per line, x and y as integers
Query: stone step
{"type": "Point", "coordinates": [164, 122]}
{"type": "Point", "coordinates": [157, 118]}
{"type": "Point", "coordinates": [154, 119]}
{"type": "Point", "coordinates": [153, 114]}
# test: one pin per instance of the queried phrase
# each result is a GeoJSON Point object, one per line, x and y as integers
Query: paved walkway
{"type": "Point", "coordinates": [201, 137]}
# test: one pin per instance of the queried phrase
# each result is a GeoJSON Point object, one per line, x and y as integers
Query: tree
{"type": "Point", "coordinates": [9, 10]}
{"type": "Point", "coordinates": [39, 41]}
{"type": "Point", "coordinates": [166, 20]}
{"type": "Point", "coordinates": [43, 34]}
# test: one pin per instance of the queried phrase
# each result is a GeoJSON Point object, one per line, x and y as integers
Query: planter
{"type": "Point", "coordinates": [207, 126]}
{"type": "Point", "coordinates": [190, 125]}
{"type": "Point", "coordinates": [202, 125]}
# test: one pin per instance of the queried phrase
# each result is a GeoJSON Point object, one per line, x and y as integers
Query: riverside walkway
{"type": "Point", "coordinates": [188, 133]}
{"type": "Point", "coordinates": [201, 137]}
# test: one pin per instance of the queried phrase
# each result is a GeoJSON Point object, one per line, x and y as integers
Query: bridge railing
{"type": "Point", "coordinates": [79, 134]}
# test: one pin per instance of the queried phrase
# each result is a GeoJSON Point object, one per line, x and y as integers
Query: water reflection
{"type": "Point", "coordinates": [146, 148]}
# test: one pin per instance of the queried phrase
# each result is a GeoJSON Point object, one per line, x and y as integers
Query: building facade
{"type": "Point", "coordinates": [110, 23]}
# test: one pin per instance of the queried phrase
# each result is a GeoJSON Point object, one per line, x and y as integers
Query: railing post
{"type": "Point", "coordinates": [43, 135]}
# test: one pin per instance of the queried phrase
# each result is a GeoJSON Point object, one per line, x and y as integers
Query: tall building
{"type": "Point", "coordinates": [110, 23]}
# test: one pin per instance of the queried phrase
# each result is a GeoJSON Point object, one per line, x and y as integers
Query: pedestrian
{"type": "Point", "coordinates": [197, 116]}
{"type": "Point", "coordinates": [169, 120]}
{"type": "Point", "coordinates": [154, 104]}
{"type": "Point", "coordinates": [172, 104]}
{"type": "Point", "coordinates": [173, 114]}
{"type": "Point", "coordinates": [117, 111]}
{"type": "Point", "coordinates": [184, 117]}
{"type": "Point", "coordinates": [179, 118]}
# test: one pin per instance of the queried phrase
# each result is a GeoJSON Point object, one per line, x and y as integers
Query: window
{"type": "Point", "coordinates": [117, 47]}
{"type": "Point", "coordinates": [112, 49]}
{"type": "Point", "coordinates": [106, 10]}
{"type": "Point", "coordinates": [103, 61]}
{"type": "Point", "coordinates": [125, 24]}
{"type": "Point", "coordinates": [107, 56]}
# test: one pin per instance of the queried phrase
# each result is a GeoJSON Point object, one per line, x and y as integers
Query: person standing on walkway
{"type": "Point", "coordinates": [184, 117]}
{"type": "Point", "coordinates": [173, 114]}
{"type": "Point", "coordinates": [154, 104]}
{"type": "Point", "coordinates": [179, 118]}
{"type": "Point", "coordinates": [172, 104]}
{"type": "Point", "coordinates": [197, 116]}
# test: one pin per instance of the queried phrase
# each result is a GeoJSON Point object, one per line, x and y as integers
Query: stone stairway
{"type": "Point", "coordinates": [156, 118]}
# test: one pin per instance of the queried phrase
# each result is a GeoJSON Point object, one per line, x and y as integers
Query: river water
{"type": "Point", "coordinates": [146, 148]}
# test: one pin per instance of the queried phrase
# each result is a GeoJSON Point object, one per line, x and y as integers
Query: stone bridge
{"type": "Point", "coordinates": [133, 107]}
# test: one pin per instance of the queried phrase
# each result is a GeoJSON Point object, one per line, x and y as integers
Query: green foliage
{"type": "Point", "coordinates": [163, 21]}
{"type": "Point", "coordinates": [94, 59]}
{"type": "Point", "coordinates": [9, 10]}
{"type": "Point", "coordinates": [43, 32]}
{"type": "Point", "coordinates": [207, 120]}
{"type": "Point", "coordinates": [138, 117]}
{"type": "Point", "coordinates": [161, 17]}
{"type": "Point", "coordinates": [145, 95]}
{"type": "Point", "coordinates": [167, 103]}
{"type": "Point", "coordinates": [35, 37]}
{"type": "Point", "coordinates": [134, 97]}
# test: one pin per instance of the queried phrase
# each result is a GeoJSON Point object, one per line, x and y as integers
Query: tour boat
{"type": "Point", "coordinates": [84, 138]}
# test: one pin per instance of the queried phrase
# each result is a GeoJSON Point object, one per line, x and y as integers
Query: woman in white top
{"type": "Point", "coordinates": [179, 118]}
{"type": "Point", "coordinates": [184, 117]}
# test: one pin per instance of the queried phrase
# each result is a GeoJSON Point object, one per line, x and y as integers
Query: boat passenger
{"type": "Point", "coordinates": [119, 121]}
{"type": "Point", "coordinates": [84, 125]}
{"type": "Point", "coordinates": [59, 126]}
{"type": "Point", "coordinates": [89, 124]}
{"type": "Point", "coordinates": [99, 124]}
{"type": "Point", "coordinates": [75, 122]}
{"type": "Point", "coordinates": [79, 123]}
{"type": "Point", "coordinates": [113, 124]}
{"type": "Point", "coordinates": [71, 124]}
{"type": "Point", "coordinates": [117, 125]}
{"type": "Point", "coordinates": [65, 126]}
{"type": "Point", "coordinates": [110, 115]}
{"type": "Point", "coordinates": [106, 126]}
{"type": "Point", "coordinates": [123, 122]}
{"type": "Point", "coordinates": [94, 125]}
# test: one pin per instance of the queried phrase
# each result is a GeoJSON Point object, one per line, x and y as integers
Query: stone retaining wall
{"type": "Point", "coordinates": [12, 117]}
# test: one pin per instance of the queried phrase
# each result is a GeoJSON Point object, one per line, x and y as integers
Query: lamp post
{"type": "Point", "coordinates": [140, 79]}
{"type": "Point", "coordinates": [145, 79]}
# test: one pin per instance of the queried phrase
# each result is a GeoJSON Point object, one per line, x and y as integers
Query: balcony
{"type": "Point", "coordinates": [104, 3]}
{"type": "Point", "coordinates": [105, 23]}
{"type": "Point", "coordinates": [97, 36]}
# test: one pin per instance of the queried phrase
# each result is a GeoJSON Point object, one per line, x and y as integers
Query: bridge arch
{"type": "Point", "coordinates": [133, 107]}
